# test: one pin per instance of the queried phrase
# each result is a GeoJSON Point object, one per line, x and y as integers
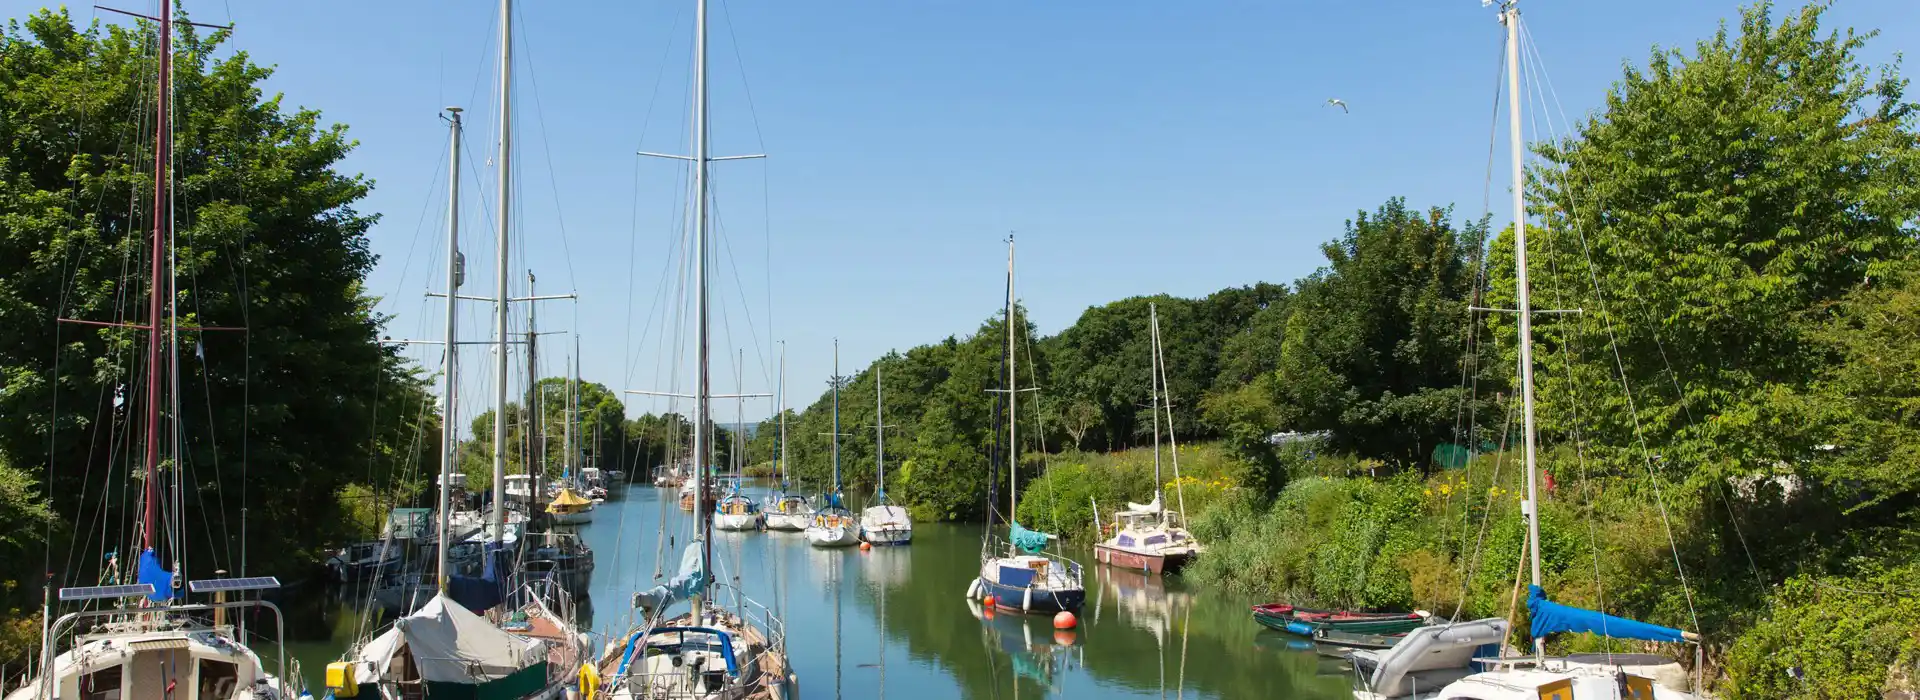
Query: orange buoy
{"type": "Point", "coordinates": [1064, 621]}
{"type": "Point", "coordinates": [1065, 638]}
{"type": "Point", "coordinates": [865, 546]}
{"type": "Point", "coordinates": [988, 601]}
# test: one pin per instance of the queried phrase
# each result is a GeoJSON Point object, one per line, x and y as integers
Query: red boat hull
{"type": "Point", "coordinates": [1150, 563]}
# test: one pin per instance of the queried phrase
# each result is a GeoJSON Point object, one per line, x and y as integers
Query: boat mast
{"type": "Point", "coordinates": [701, 384]}
{"type": "Point", "coordinates": [1013, 402]}
{"type": "Point", "coordinates": [1510, 16]}
{"type": "Point", "coordinates": [836, 423]}
{"type": "Point", "coordinates": [739, 416]}
{"type": "Point", "coordinates": [448, 443]}
{"type": "Point", "coordinates": [1173, 442]}
{"type": "Point", "coordinates": [533, 436]}
{"type": "Point", "coordinates": [782, 401]}
{"type": "Point", "coordinates": [1153, 367]}
{"type": "Point", "coordinates": [879, 437]}
{"type": "Point", "coordinates": [503, 161]}
{"type": "Point", "coordinates": [162, 157]}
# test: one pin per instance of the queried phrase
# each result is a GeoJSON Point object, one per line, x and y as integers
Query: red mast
{"type": "Point", "coordinates": [162, 154]}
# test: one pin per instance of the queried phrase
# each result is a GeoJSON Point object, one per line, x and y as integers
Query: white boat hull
{"type": "Point", "coordinates": [736, 522]}
{"type": "Point", "coordinates": [790, 522]}
{"type": "Point", "coordinates": [886, 535]}
{"type": "Point", "coordinates": [574, 518]}
{"type": "Point", "coordinates": [833, 536]}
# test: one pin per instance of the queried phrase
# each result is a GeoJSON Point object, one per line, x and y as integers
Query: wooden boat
{"type": "Point", "coordinates": [1305, 621]}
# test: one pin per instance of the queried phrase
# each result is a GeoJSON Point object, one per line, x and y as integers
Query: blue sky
{"type": "Point", "coordinates": [1136, 148]}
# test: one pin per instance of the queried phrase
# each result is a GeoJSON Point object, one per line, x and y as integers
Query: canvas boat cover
{"type": "Point", "coordinates": [886, 515]}
{"type": "Point", "coordinates": [691, 579]}
{"type": "Point", "coordinates": [449, 644]}
{"type": "Point", "coordinates": [1153, 507]}
{"type": "Point", "coordinates": [1549, 617]}
{"type": "Point", "coordinates": [1029, 541]}
{"type": "Point", "coordinates": [568, 497]}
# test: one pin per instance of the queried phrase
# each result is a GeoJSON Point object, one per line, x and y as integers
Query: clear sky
{"type": "Point", "coordinates": [1136, 147]}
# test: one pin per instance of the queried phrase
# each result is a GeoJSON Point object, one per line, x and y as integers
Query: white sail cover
{"type": "Point", "coordinates": [450, 644]}
{"type": "Point", "coordinates": [890, 516]}
{"type": "Point", "coordinates": [1153, 507]}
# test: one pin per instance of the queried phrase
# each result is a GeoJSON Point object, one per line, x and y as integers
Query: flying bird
{"type": "Point", "coordinates": [1336, 102]}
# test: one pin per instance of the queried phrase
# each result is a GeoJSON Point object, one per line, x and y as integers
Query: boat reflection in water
{"type": "Point", "coordinates": [1036, 650]}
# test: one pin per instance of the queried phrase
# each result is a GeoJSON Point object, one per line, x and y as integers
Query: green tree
{"type": "Point", "coordinates": [267, 237]}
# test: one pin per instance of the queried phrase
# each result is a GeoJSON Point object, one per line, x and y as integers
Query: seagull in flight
{"type": "Point", "coordinates": [1337, 102]}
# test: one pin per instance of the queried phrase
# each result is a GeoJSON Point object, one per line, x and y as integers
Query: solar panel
{"type": "Point", "coordinates": [250, 583]}
{"type": "Point", "coordinates": [97, 592]}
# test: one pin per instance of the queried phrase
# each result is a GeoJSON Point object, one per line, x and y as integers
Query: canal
{"type": "Point", "coordinates": [896, 620]}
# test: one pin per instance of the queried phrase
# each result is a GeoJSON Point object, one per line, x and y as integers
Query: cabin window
{"type": "Point", "coordinates": [103, 684]}
{"type": "Point", "coordinates": [218, 679]}
{"type": "Point", "coordinates": [1156, 539]}
{"type": "Point", "coordinates": [1126, 540]}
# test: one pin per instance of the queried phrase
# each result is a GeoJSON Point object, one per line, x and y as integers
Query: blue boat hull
{"type": "Point", "coordinates": [1045, 601]}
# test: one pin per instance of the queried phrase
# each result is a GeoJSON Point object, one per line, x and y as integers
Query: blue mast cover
{"type": "Point", "coordinates": [1549, 617]}
{"type": "Point", "coordinates": [1029, 541]}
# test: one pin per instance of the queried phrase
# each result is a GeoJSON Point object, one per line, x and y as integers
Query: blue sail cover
{"type": "Point", "coordinates": [478, 594]}
{"type": "Point", "coordinates": [690, 580]}
{"type": "Point", "coordinates": [1029, 541]}
{"type": "Point", "coordinates": [153, 572]}
{"type": "Point", "coordinates": [1549, 617]}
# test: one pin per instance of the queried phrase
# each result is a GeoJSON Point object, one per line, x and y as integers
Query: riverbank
{"type": "Point", "coordinates": [1350, 533]}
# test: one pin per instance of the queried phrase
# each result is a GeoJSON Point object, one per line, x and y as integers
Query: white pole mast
{"type": "Point", "coordinates": [702, 381]}
{"type": "Point", "coordinates": [879, 437]}
{"type": "Point", "coordinates": [447, 366]}
{"type": "Point", "coordinates": [502, 161]}
{"type": "Point", "coordinates": [1510, 16]}
{"type": "Point", "coordinates": [1153, 368]}
{"type": "Point", "coordinates": [783, 417]}
{"type": "Point", "coordinates": [1013, 402]}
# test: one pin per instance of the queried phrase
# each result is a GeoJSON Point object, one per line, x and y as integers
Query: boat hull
{"type": "Point", "coordinates": [737, 522]}
{"type": "Point", "coordinates": [1155, 563]}
{"type": "Point", "coordinates": [887, 535]}
{"type": "Point", "coordinates": [833, 536]}
{"type": "Point", "coordinates": [789, 522]}
{"type": "Point", "coordinates": [574, 518]}
{"type": "Point", "coordinates": [1041, 601]}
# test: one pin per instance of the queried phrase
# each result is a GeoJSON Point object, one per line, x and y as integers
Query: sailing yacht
{"type": "Point", "coordinates": [737, 512]}
{"type": "Point", "coordinates": [1467, 660]}
{"type": "Point", "coordinates": [883, 522]}
{"type": "Point", "coordinates": [786, 510]}
{"type": "Point", "coordinates": [1152, 537]}
{"type": "Point", "coordinates": [832, 524]}
{"type": "Point", "coordinates": [711, 652]}
{"type": "Point", "coordinates": [1022, 576]}
{"type": "Point", "coordinates": [140, 640]}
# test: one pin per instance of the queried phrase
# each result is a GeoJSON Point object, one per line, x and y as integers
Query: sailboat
{"type": "Point", "coordinates": [737, 512]}
{"type": "Point", "coordinates": [1152, 537]}
{"type": "Point", "coordinates": [710, 652]}
{"type": "Point", "coordinates": [1463, 660]}
{"type": "Point", "coordinates": [786, 510]}
{"type": "Point", "coordinates": [883, 522]}
{"type": "Point", "coordinates": [833, 525]}
{"type": "Point", "coordinates": [156, 646]}
{"type": "Point", "coordinates": [571, 506]}
{"type": "Point", "coordinates": [1023, 577]}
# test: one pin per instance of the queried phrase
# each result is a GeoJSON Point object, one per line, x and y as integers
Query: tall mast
{"type": "Point", "coordinates": [448, 442]}
{"type": "Point", "coordinates": [836, 420]}
{"type": "Point", "coordinates": [879, 437]}
{"type": "Point", "coordinates": [504, 161]}
{"type": "Point", "coordinates": [161, 289]}
{"type": "Point", "coordinates": [782, 401]}
{"type": "Point", "coordinates": [534, 436]}
{"type": "Point", "coordinates": [1013, 401]}
{"type": "Point", "coordinates": [1166, 406]}
{"type": "Point", "coordinates": [1510, 16]}
{"type": "Point", "coordinates": [573, 443]}
{"type": "Point", "coordinates": [739, 413]}
{"type": "Point", "coordinates": [1153, 367]}
{"type": "Point", "coordinates": [702, 388]}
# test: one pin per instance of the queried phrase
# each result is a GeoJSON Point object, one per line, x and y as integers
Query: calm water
{"type": "Point", "coordinates": [896, 620]}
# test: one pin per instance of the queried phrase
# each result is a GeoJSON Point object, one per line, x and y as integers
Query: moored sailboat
{"type": "Point", "coordinates": [1019, 575]}
{"type": "Point", "coordinates": [786, 510]}
{"type": "Point", "coordinates": [1152, 537]}
{"type": "Point", "coordinates": [883, 522]}
{"type": "Point", "coordinates": [832, 524]}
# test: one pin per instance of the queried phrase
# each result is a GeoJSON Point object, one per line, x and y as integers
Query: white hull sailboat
{"type": "Point", "coordinates": [714, 651]}
{"type": "Point", "coordinates": [1152, 537]}
{"type": "Point", "coordinates": [883, 523]}
{"type": "Point", "coordinates": [1457, 661]}
{"type": "Point", "coordinates": [833, 525]}
{"type": "Point", "coordinates": [161, 648]}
